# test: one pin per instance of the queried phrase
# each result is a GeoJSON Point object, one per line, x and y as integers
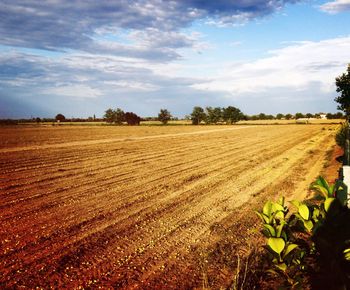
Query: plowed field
{"type": "Point", "coordinates": [143, 207]}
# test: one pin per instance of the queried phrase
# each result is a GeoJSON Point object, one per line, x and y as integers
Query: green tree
{"type": "Point", "coordinates": [232, 114]}
{"type": "Point", "coordinates": [343, 87]}
{"type": "Point", "coordinates": [339, 115]}
{"type": "Point", "coordinates": [132, 119]}
{"type": "Point", "coordinates": [279, 116]}
{"type": "Point", "coordinates": [109, 115]}
{"type": "Point", "coordinates": [309, 115]}
{"type": "Point", "coordinates": [119, 116]}
{"type": "Point", "coordinates": [288, 116]}
{"type": "Point", "coordinates": [299, 116]}
{"type": "Point", "coordinates": [213, 115]}
{"type": "Point", "coordinates": [329, 116]}
{"type": "Point", "coordinates": [262, 116]}
{"type": "Point", "coordinates": [164, 116]}
{"type": "Point", "coordinates": [60, 118]}
{"type": "Point", "coordinates": [198, 115]}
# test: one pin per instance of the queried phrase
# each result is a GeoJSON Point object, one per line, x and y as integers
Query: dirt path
{"type": "Point", "coordinates": [144, 212]}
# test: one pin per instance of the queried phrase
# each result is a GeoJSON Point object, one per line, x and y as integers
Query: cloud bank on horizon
{"type": "Point", "coordinates": [81, 57]}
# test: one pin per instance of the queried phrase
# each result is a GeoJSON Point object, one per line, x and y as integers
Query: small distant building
{"type": "Point", "coordinates": [323, 116]}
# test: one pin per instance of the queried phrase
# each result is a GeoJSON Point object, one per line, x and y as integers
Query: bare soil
{"type": "Point", "coordinates": [144, 207]}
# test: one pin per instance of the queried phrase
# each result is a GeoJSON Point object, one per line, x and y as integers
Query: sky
{"type": "Point", "coordinates": [81, 57]}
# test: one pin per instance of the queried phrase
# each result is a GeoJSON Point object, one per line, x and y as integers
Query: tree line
{"type": "Point", "coordinates": [231, 115]}
{"type": "Point", "coordinates": [118, 117]}
{"type": "Point", "coordinates": [216, 115]}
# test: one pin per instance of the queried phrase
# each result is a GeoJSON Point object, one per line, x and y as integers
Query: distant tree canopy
{"type": "Point", "coordinates": [109, 116]}
{"type": "Point", "coordinates": [132, 119]}
{"type": "Point", "coordinates": [232, 114]}
{"type": "Point", "coordinates": [198, 115]}
{"type": "Point", "coordinates": [343, 87]}
{"type": "Point", "coordinates": [261, 116]}
{"type": "Point", "coordinates": [338, 115]}
{"type": "Point", "coordinates": [60, 118]}
{"type": "Point", "coordinates": [114, 116]}
{"type": "Point", "coordinates": [164, 116]}
{"type": "Point", "coordinates": [299, 115]}
{"type": "Point", "coordinates": [288, 116]}
{"type": "Point", "coordinates": [119, 116]}
{"type": "Point", "coordinates": [213, 115]}
{"type": "Point", "coordinates": [279, 116]}
{"type": "Point", "coordinates": [309, 115]}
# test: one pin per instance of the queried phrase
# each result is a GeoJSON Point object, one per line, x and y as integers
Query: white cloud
{"type": "Point", "coordinates": [75, 91]}
{"type": "Point", "coordinates": [62, 25]}
{"type": "Point", "coordinates": [131, 86]}
{"type": "Point", "coordinates": [336, 6]}
{"type": "Point", "coordinates": [296, 67]}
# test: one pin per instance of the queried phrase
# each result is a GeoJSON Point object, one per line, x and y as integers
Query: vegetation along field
{"type": "Point", "coordinates": [144, 207]}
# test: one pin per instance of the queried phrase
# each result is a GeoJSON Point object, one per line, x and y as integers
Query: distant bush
{"type": "Point", "coordinates": [164, 116]}
{"type": "Point", "coordinates": [132, 119]}
{"type": "Point", "coordinates": [60, 118]}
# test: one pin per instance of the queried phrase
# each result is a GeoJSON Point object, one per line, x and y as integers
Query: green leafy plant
{"type": "Point", "coordinates": [328, 192]}
{"type": "Point", "coordinates": [285, 256]}
{"type": "Point", "coordinates": [313, 229]}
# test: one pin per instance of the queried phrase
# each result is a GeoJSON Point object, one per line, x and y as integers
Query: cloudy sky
{"type": "Point", "coordinates": [81, 57]}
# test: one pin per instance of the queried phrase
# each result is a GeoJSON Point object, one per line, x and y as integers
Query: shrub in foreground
{"type": "Point", "coordinates": [318, 231]}
{"type": "Point", "coordinates": [341, 135]}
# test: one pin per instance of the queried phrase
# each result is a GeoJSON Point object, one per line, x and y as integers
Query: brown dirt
{"type": "Point", "coordinates": [81, 207]}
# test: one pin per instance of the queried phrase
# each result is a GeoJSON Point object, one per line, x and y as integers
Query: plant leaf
{"type": "Point", "coordinates": [308, 225]}
{"type": "Point", "coordinates": [315, 213]}
{"type": "Point", "coordinates": [267, 208]}
{"type": "Point", "coordinates": [276, 244]}
{"type": "Point", "coordinates": [321, 190]}
{"type": "Point", "coordinates": [289, 249]}
{"type": "Point", "coordinates": [277, 207]}
{"type": "Point", "coordinates": [328, 203]}
{"type": "Point", "coordinates": [281, 201]}
{"type": "Point", "coordinates": [282, 266]}
{"type": "Point", "coordinates": [279, 215]}
{"type": "Point", "coordinates": [260, 215]}
{"type": "Point", "coordinates": [322, 182]}
{"type": "Point", "coordinates": [271, 230]}
{"type": "Point", "coordinates": [347, 254]}
{"type": "Point", "coordinates": [279, 229]}
{"type": "Point", "coordinates": [272, 271]}
{"type": "Point", "coordinates": [296, 203]}
{"type": "Point", "coordinates": [284, 236]}
{"type": "Point", "coordinates": [304, 211]}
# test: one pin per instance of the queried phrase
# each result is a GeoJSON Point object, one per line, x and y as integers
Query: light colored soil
{"type": "Point", "coordinates": [143, 207]}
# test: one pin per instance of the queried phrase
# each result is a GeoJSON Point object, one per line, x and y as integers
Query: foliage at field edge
{"type": "Point", "coordinates": [341, 135]}
{"type": "Point", "coordinates": [314, 240]}
{"type": "Point", "coordinates": [343, 87]}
